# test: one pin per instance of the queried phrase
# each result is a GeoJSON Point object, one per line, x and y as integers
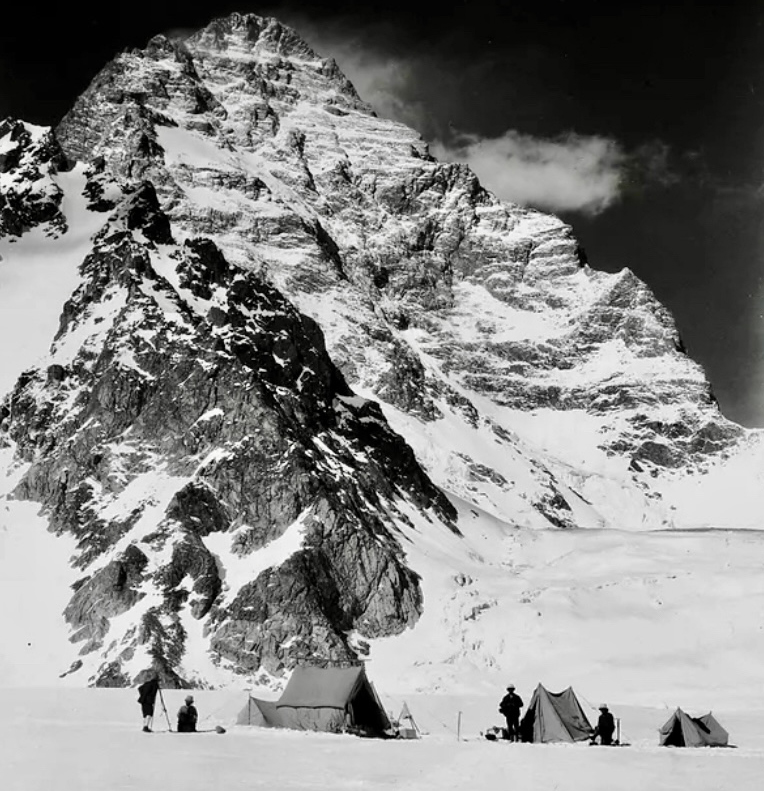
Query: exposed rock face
{"type": "Point", "coordinates": [189, 426]}
{"type": "Point", "coordinates": [436, 290]}
{"type": "Point", "coordinates": [173, 367]}
{"type": "Point", "coordinates": [29, 197]}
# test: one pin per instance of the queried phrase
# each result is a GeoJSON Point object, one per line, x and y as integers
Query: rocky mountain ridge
{"type": "Point", "coordinates": [29, 196]}
{"type": "Point", "coordinates": [271, 262]}
{"type": "Point", "coordinates": [321, 195]}
{"type": "Point", "coordinates": [171, 367]}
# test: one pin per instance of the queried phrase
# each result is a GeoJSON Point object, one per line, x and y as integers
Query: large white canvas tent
{"type": "Point", "coordinates": [332, 699]}
{"type": "Point", "coordinates": [681, 730]}
{"type": "Point", "coordinates": [554, 717]}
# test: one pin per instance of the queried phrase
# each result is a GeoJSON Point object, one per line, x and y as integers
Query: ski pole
{"type": "Point", "coordinates": [164, 708]}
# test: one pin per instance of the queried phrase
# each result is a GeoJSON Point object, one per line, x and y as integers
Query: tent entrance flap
{"type": "Point", "coordinates": [366, 711]}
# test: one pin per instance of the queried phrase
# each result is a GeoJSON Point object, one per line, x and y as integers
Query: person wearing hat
{"type": "Point", "coordinates": [187, 716]}
{"type": "Point", "coordinates": [510, 707]}
{"type": "Point", "coordinates": [605, 726]}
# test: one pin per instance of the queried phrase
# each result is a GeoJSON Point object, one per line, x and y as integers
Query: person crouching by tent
{"type": "Point", "coordinates": [605, 727]}
{"type": "Point", "coordinates": [510, 707]}
{"type": "Point", "coordinates": [147, 695]}
{"type": "Point", "coordinates": [187, 716]}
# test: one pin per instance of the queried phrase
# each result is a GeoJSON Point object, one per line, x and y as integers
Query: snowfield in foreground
{"type": "Point", "coordinates": [90, 740]}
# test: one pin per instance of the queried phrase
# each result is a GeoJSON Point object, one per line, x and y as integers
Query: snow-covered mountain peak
{"type": "Point", "coordinates": [303, 375]}
{"type": "Point", "coordinates": [434, 296]}
{"type": "Point", "coordinates": [281, 54]}
{"type": "Point", "coordinates": [254, 37]}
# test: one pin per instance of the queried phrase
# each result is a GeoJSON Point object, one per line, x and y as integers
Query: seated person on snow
{"type": "Point", "coordinates": [187, 716]}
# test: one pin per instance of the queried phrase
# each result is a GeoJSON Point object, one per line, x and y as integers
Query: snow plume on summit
{"type": "Point", "coordinates": [311, 395]}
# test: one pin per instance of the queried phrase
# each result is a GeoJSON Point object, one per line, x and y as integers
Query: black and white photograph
{"type": "Point", "coordinates": [382, 396]}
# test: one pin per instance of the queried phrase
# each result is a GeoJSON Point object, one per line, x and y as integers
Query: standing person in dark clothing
{"type": "Point", "coordinates": [147, 695]}
{"type": "Point", "coordinates": [605, 727]}
{"type": "Point", "coordinates": [187, 716]}
{"type": "Point", "coordinates": [510, 707]}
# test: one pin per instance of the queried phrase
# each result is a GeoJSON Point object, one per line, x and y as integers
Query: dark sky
{"type": "Point", "coordinates": [675, 89]}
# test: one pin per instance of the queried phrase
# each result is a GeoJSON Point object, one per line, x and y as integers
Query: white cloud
{"type": "Point", "coordinates": [569, 173]}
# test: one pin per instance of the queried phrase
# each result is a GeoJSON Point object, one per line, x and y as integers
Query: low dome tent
{"type": "Point", "coordinates": [330, 699]}
{"type": "Point", "coordinates": [555, 717]}
{"type": "Point", "coordinates": [682, 730]}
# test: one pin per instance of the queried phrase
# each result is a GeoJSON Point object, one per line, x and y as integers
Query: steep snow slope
{"type": "Point", "coordinates": [44, 243]}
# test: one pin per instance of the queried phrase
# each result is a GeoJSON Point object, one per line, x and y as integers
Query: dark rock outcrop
{"type": "Point", "coordinates": [30, 198]}
{"type": "Point", "coordinates": [207, 371]}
